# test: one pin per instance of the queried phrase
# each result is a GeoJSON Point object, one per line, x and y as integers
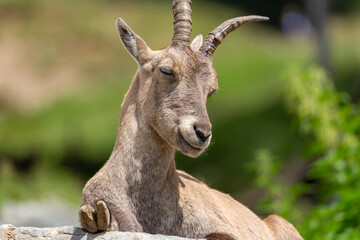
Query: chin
{"type": "Point", "coordinates": [192, 153]}
{"type": "Point", "coordinates": [187, 149]}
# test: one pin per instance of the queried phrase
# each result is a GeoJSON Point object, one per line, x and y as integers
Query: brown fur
{"type": "Point", "coordinates": [139, 188]}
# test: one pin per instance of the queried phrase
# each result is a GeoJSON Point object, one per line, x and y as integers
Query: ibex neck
{"type": "Point", "coordinates": [143, 156]}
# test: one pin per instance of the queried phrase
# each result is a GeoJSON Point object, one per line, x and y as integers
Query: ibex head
{"type": "Point", "coordinates": [175, 82]}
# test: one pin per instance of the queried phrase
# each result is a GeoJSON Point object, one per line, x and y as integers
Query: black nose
{"type": "Point", "coordinates": [202, 133]}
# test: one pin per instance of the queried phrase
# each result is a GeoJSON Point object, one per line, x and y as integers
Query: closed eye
{"type": "Point", "coordinates": [167, 72]}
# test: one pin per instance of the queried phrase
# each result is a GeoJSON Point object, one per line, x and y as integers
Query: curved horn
{"type": "Point", "coordinates": [214, 38]}
{"type": "Point", "coordinates": [182, 21]}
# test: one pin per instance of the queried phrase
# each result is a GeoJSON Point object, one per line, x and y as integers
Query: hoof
{"type": "Point", "coordinates": [103, 216]}
{"type": "Point", "coordinates": [87, 218]}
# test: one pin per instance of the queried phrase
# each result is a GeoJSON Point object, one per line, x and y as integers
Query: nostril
{"type": "Point", "coordinates": [201, 134]}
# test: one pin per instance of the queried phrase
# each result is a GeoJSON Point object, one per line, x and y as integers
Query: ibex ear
{"type": "Point", "coordinates": [132, 42]}
{"type": "Point", "coordinates": [197, 42]}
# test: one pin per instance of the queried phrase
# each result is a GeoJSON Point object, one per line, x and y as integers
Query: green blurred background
{"type": "Point", "coordinates": [64, 72]}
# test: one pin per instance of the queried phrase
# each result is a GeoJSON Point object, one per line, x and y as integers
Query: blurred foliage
{"type": "Point", "coordinates": [333, 121]}
{"type": "Point", "coordinates": [274, 9]}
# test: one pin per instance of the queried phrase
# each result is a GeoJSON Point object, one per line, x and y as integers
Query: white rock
{"type": "Point", "coordinates": [8, 232]}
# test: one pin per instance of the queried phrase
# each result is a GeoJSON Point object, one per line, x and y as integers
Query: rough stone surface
{"type": "Point", "coordinates": [10, 232]}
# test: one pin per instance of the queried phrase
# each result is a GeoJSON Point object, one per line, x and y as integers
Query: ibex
{"type": "Point", "coordinates": [139, 188]}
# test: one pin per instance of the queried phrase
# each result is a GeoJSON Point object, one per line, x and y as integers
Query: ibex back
{"type": "Point", "coordinates": [139, 188]}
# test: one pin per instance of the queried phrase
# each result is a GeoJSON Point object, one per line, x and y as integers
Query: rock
{"type": "Point", "coordinates": [10, 232]}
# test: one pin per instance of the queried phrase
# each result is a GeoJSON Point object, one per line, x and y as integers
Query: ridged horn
{"type": "Point", "coordinates": [182, 21]}
{"type": "Point", "coordinates": [215, 37]}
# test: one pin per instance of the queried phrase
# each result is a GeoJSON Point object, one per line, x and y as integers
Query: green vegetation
{"type": "Point", "coordinates": [334, 124]}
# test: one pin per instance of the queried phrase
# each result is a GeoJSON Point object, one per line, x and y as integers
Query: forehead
{"type": "Point", "coordinates": [184, 58]}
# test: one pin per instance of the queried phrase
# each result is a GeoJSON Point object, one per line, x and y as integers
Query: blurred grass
{"type": "Point", "coordinates": [58, 146]}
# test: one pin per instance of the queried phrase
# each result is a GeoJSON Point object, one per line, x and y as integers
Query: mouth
{"type": "Point", "coordinates": [187, 148]}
